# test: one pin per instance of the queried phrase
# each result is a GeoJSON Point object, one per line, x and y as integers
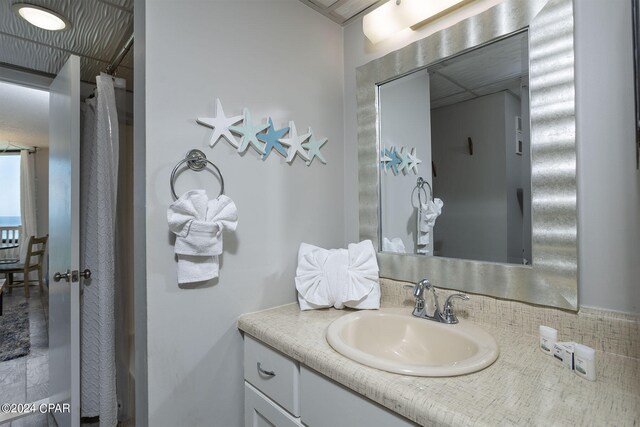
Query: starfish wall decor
{"type": "Point", "coordinates": [399, 159]}
{"type": "Point", "coordinates": [264, 137]}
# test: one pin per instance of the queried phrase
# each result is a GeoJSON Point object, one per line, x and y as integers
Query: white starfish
{"type": "Point", "coordinates": [413, 161]}
{"type": "Point", "coordinates": [220, 125]}
{"type": "Point", "coordinates": [294, 142]}
{"type": "Point", "coordinates": [406, 160]}
{"type": "Point", "coordinates": [384, 159]}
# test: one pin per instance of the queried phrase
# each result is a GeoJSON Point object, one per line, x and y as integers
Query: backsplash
{"type": "Point", "coordinates": [612, 332]}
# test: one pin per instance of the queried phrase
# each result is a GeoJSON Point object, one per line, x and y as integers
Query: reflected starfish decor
{"type": "Point", "coordinates": [384, 160]}
{"type": "Point", "coordinates": [414, 161]}
{"type": "Point", "coordinates": [405, 160]}
{"type": "Point", "coordinates": [397, 160]}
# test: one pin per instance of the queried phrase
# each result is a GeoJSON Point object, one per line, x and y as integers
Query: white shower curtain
{"type": "Point", "coordinates": [99, 173]}
{"type": "Point", "coordinates": [27, 202]}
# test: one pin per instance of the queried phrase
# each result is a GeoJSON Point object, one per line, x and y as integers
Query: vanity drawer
{"type": "Point", "coordinates": [327, 403]}
{"type": "Point", "coordinates": [260, 411]}
{"type": "Point", "coordinates": [260, 361]}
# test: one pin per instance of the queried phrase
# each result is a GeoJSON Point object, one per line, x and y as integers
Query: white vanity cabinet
{"type": "Point", "coordinates": [280, 392]}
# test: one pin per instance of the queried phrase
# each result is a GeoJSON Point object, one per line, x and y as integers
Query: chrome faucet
{"type": "Point", "coordinates": [420, 310]}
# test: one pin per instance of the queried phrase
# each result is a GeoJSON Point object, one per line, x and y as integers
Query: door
{"type": "Point", "coordinates": [64, 243]}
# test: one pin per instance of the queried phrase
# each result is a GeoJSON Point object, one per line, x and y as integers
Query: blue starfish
{"type": "Point", "coordinates": [270, 138]}
{"type": "Point", "coordinates": [395, 160]}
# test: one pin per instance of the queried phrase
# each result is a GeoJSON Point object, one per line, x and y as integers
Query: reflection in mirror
{"type": "Point", "coordinates": [455, 158]}
{"type": "Point", "coordinates": [551, 279]}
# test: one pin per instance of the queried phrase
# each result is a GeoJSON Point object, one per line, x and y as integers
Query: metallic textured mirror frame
{"type": "Point", "coordinates": [552, 280]}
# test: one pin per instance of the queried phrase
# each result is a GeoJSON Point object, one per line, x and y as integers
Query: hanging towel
{"type": "Point", "coordinates": [395, 245]}
{"type": "Point", "coordinates": [427, 214]}
{"type": "Point", "coordinates": [338, 277]}
{"type": "Point", "coordinates": [198, 224]}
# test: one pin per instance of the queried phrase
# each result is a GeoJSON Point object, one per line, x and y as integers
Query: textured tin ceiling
{"type": "Point", "coordinates": [99, 29]}
{"type": "Point", "coordinates": [343, 11]}
{"type": "Point", "coordinates": [503, 65]}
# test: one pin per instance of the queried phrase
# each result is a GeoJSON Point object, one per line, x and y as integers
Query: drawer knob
{"type": "Point", "coordinates": [267, 373]}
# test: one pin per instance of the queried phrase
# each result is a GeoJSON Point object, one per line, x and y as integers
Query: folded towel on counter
{"type": "Point", "coordinates": [427, 215]}
{"type": "Point", "coordinates": [338, 277]}
{"type": "Point", "coordinates": [198, 224]}
{"type": "Point", "coordinates": [394, 245]}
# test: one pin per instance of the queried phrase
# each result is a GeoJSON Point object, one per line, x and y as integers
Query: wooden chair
{"type": "Point", "coordinates": [37, 246]}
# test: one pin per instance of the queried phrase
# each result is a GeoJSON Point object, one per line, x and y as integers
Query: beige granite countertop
{"type": "Point", "coordinates": [523, 387]}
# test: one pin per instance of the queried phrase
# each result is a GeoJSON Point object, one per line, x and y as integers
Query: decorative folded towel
{"type": "Point", "coordinates": [395, 245]}
{"type": "Point", "coordinates": [198, 224]}
{"type": "Point", "coordinates": [338, 277]}
{"type": "Point", "coordinates": [427, 214]}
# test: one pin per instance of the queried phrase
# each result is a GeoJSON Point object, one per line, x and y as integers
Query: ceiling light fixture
{"type": "Point", "coordinates": [397, 15]}
{"type": "Point", "coordinates": [41, 17]}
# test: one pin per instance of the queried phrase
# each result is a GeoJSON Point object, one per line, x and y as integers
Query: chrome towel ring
{"type": "Point", "coordinates": [197, 161]}
{"type": "Point", "coordinates": [420, 188]}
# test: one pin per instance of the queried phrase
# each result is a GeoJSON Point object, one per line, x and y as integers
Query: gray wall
{"type": "Point", "coordinates": [473, 224]}
{"type": "Point", "coordinates": [515, 166]}
{"type": "Point", "coordinates": [608, 183]}
{"type": "Point", "coordinates": [526, 174]}
{"type": "Point", "coordinates": [278, 58]}
{"type": "Point", "coordinates": [405, 121]}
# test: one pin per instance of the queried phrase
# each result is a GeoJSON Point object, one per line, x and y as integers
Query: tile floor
{"type": "Point", "coordinates": [26, 378]}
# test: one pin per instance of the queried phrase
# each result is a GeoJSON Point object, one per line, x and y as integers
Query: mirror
{"type": "Point", "coordinates": [455, 161]}
{"type": "Point", "coordinates": [543, 271]}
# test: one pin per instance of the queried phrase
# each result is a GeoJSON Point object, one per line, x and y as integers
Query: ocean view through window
{"type": "Point", "coordinates": [10, 190]}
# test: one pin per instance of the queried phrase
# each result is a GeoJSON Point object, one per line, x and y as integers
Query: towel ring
{"type": "Point", "coordinates": [196, 160]}
{"type": "Point", "coordinates": [420, 186]}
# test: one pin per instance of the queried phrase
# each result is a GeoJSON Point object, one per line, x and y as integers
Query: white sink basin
{"type": "Point", "coordinates": [394, 340]}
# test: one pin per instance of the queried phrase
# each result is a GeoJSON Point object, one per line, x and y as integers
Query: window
{"type": "Point", "coordinates": [10, 194]}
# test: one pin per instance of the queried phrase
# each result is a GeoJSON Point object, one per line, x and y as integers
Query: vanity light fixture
{"type": "Point", "coordinates": [41, 17]}
{"type": "Point", "coordinates": [397, 15]}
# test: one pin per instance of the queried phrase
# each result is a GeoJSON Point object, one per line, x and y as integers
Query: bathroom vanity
{"type": "Point", "coordinates": [285, 393]}
{"type": "Point", "coordinates": [320, 387]}
{"type": "Point", "coordinates": [314, 385]}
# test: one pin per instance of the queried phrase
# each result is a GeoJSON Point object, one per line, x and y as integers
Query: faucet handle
{"type": "Point", "coordinates": [420, 287]}
{"type": "Point", "coordinates": [448, 315]}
